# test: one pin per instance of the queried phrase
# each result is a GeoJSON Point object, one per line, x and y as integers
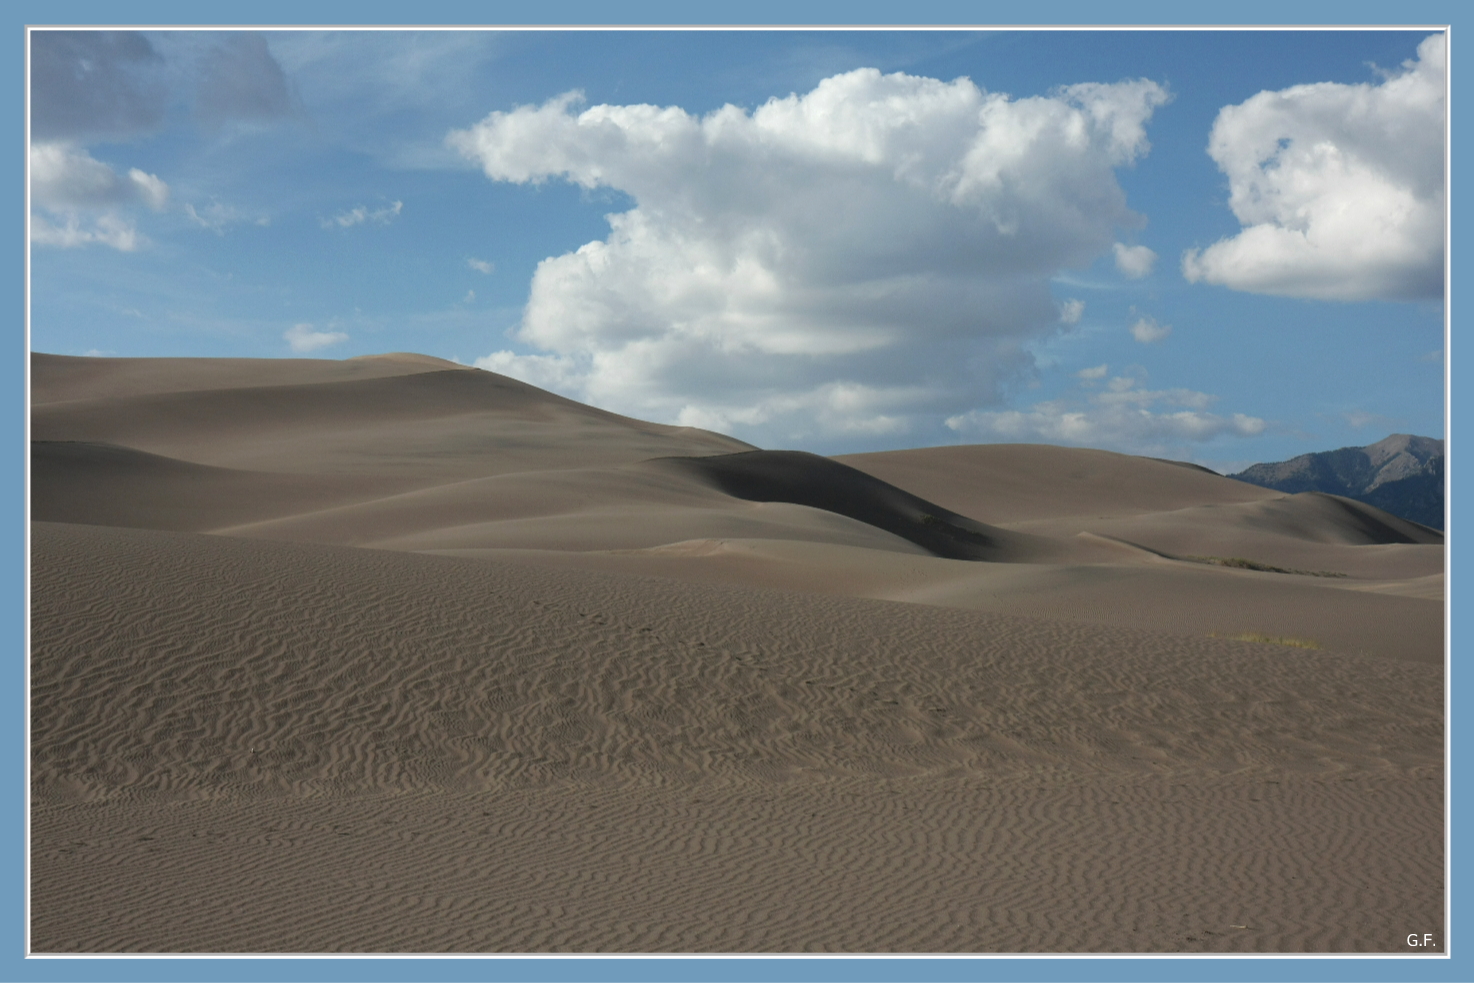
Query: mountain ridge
{"type": "Point", "coordinates": [1401, 474]}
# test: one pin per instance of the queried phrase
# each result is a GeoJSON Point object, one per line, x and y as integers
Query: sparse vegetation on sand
{"type": "Point", "coordinates": [1240, 563]}
{"type": "Point", "coordinates": [1254, 636]}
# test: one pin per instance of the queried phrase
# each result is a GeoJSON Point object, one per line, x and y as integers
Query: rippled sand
{"type": "Point", "coordinates": [390, 655]}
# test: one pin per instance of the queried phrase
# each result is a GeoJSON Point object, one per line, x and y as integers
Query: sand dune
{"type": "Point", "coordinates": [817, 482]}
{"type": "Point", "coordinates": [1289, 520]}
{"type": "Point", "coordinates": [65, 378]}
{"type": "Point", "coordinates": [433, 425]}
{"type": "Point", "coordinates": [1007, 483]}
{"type": "Point", "coordinates": [573, 509]}
{"type": "Point", "coordinates": [420, 658]}
{"type": "Point", "coordinates": [1139, 590]}
{"type": "Point", "coordinates": [383, 751]}
{"type": "Point", "coordinates": [109, 485]}
{"type": "Point", "coordinates": [334, 658]}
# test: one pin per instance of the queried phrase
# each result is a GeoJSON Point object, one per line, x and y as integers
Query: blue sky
{"type": "Point", "coordinates": [890, 239]}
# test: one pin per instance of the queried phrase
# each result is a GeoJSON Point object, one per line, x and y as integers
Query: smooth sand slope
{"type": "Point", "coordinates": [393, 655]}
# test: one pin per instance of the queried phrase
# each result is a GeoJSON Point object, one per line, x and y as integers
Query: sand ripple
{"type": "Point", "coordinates": [185, 665]}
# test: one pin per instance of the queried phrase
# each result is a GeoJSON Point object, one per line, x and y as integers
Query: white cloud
{"type": "Point", "coordinates": [362, 214]}
{"type": "Point", "coordinates": [104, 230]}
{"type": "Point", "coordinates": [866, 254]}
{"type": "Point", "coordinates": [303, 338]}
{"type": "Point", "coordinates": [217, 217]}
{"type": "Point", "coordinates": [64, 177]}
{"type": "Point", "coordinates": [470, 296]}
{"type": "Point", "coordinates": [1146, 330]}
{"type": "Point", "coordinates": [1134, 262]}
{"type": "Point", "coordinates": [1339, 188]}
{"type": "Point", "coordinates": [78, 200]}
{"type": "Point", "coordinates": [149, 189]}
{"type": "Point", "coordinates": [1124, 416]}
{"type": "Point", "coordinates": [1098, 372]}
{"type": "Point", "coordinates": [1071, 311]}
{"type": "Point", "coordinates": [480, 265]}
{"type": "Point", "coordinates": [544, 371]}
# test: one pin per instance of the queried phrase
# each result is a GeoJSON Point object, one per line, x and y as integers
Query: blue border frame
{"type": "Point", "coordinates": [13, 965]}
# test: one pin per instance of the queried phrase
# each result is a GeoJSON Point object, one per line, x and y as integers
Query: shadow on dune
{"type": "Point", "coordinates": [102, 484]}
{"type": "Point", "coordinates": [801, 478]}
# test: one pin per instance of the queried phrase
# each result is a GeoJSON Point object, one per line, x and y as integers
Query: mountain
{"type": "Point", "coordinates": [1402, 475]}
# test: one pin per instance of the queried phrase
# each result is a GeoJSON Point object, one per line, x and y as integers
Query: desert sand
{"type": "Point", "coordinates": [393, 655]}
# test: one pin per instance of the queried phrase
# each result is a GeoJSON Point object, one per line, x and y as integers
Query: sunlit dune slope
{"type": "Point", "coordinates": [572, 509]}
{"type": "Point", "coordinates": [65, 378]}
{"type": "Point", "coordinates": [432, 425]}
{"type": "Point", "coordinates": [413, 454]}
{"type": "Point", "coordinates": [1008, 483]}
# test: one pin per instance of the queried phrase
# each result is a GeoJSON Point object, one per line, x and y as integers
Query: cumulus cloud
{"type": "Point", "coordinates": [1339, 188]}
{"type": "Point", "coordinates": [848, 258]}
{"type": "Point", "coordinates": [1124, 416]}
{"type": "Point", "coordinates": [480, 265]}
{"type": "Point", "coordinates": [66, 177]}
{"type": "Point", "coordinates": [303, 338]}
{"type": "Point", "coordinates": [1071, 311]}
{"type": "Point", "coordinates": [543, 371]}
{"type": "Point", "coordinates": [362, 214]}
{"type": "Point", "coordinates": [1133, 262]}
{"type": "Point", "coordinates": [149, 189]}
{"type": "Point", "coordinates": [1097, 372]}
{"type": "Point", "coordinates": [1146, 330]}
{"type": "Point", "coordinates": [78, 200]}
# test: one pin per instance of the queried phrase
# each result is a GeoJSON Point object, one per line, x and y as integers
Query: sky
{"type": "Point", "coordinates": [1217, 246]}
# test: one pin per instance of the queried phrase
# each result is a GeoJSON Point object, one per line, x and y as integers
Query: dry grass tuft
{"type": "Point", "coordinates": [1254, 636]}
{"type": "Point", "coordinates": [1239, 563]}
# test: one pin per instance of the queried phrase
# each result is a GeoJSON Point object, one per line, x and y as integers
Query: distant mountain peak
{"type": "Point", "coordinates": [1401, 455]}
{"type": "Point", "coordinates": [1402, 474]}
